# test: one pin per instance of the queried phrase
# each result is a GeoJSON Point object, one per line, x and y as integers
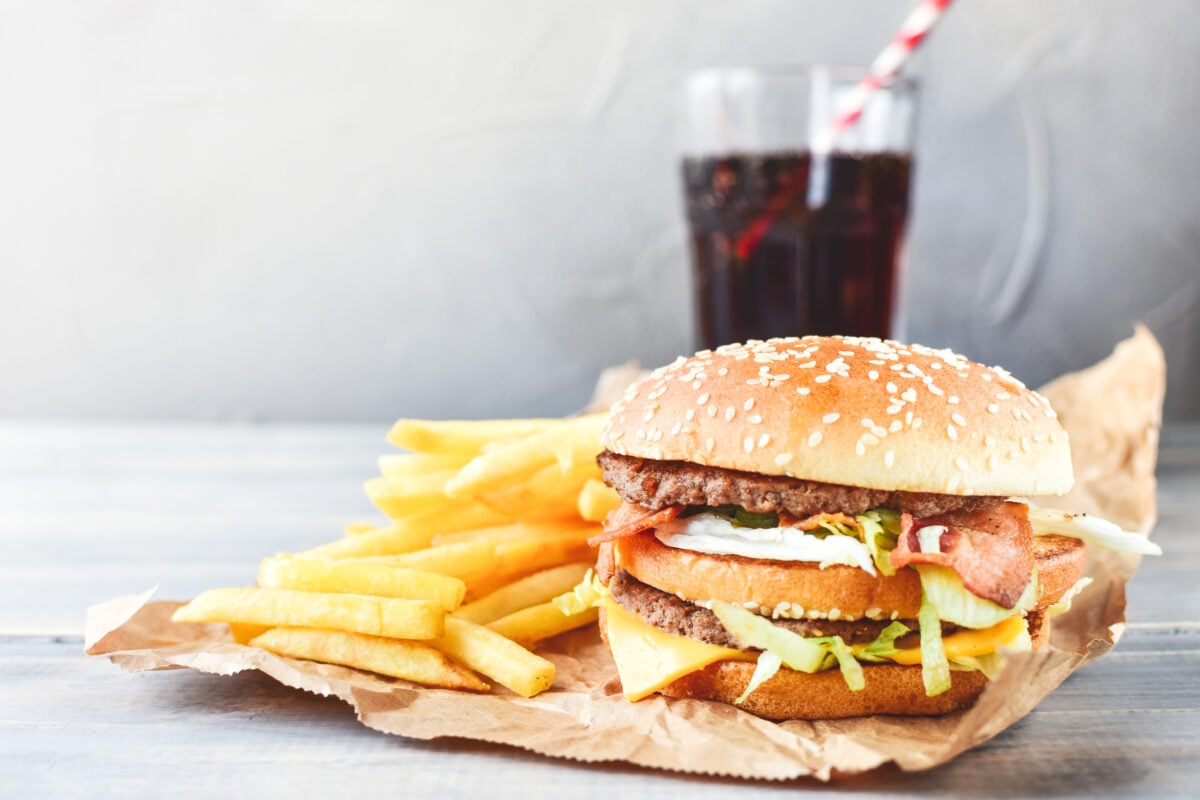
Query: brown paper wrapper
{"type": "Point", "coordinates": [1112, 414]}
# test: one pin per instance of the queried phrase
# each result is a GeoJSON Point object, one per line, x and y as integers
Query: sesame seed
{"type": "Point", "coordinates": [814, 438]}
{"type": "Point", "coordinates": [1024, 445]}
{"type": "Point", "coordinates": [783, 458]}
{"type": "Point", "coordinates": [702, 399]}
{"type": "Point", "coordinates": [958, 419]}
{"type": "Point", "coordinates": [935, 390]}
{"type": "Point", "coordinates": [908, 417]}
{"type": "Point", "coordinates": [711, 410]}
{"type": "Point", "coordinates": [696, 384]}
{"type": "Point", "coordinates": [831, 418]}
{"type": "Point", "coordinates": [952, 484]}
{"type": "Point", "coordinates": [873, 374]}
{"type": "Point", "coordinates": [909, 395]}
{"type": "Point", "coordinates": [952, 399]}
{"type": "Point", "coordinates": [748, 444]}
{"type": "Point", "coordinates": [764, 440]}
{"type": "Point", "coordinates": [894, 615]}
{"type": "Point", "coordinates": [729, 412]}
{"type": "Point", "coordinates": [676, 428]}
{"type": "Point", "coordinates": [895, 426]}
{"type": "Point", "coordinates": [989, 441]}
{"type": "Point", "coordinates": [1016, 412]}
{"type": "Point", "coordinates": [961, 463]}
{"type": "Point", "coordinates": [916, 423]}
{"type": "Point", "coordinates": [889, 458]}
{"type": "Point", "coordinates": [835, 614]}
{"type": "Point", "coordinates": [649, 416]}
{"type": "Point", "coordinates": [952, 432]}
{"type": "Point", "coordinates": [993, 408]}
{"type": "Point", "coordinates": [894, 410]}
{"type": "Point", "coordinates": [879, 431]}
{"type": "Point", "coordinates": [690, 414]}
{"type": "Point", "coordinates": [723, 371]}
{"type": "Point", "coordinates": [867, 422]}
{"type": "Point", "coordinates": [891, 387]}
{"type": "Point", "coordinates": [709, 444]}
{"type": "Point", "coordinates": [749, 404]}
{"type": "Point", "coordinates": [870, 438]}
{"type": "Point", "coordinates": [802, 390]}
{"type": "Point", "coordinates": [860, 448]}
{"type": "Point", "coordinates": [823, 378]}
{"type": "Point", "coordinates": [992, 461]}
{"type": "Point", "coordinates": [1014, 453]}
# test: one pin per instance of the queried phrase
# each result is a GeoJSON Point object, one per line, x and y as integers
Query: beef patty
{"type": "Point", "coordinates": [657, 484]}
{"type": "Point", "coordinates": [666, 611]}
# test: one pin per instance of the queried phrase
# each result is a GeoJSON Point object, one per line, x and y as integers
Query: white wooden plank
{"type": "Point", "coordinates": [1119, 728]}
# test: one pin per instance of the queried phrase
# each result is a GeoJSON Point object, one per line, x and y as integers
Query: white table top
{"type": "Point", "coordinates": [90, 512]}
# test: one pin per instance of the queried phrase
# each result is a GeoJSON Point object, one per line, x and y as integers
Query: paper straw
{"type": "Point", "coordinates": [885, 66]}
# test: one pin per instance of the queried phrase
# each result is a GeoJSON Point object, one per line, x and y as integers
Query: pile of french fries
{"type": "Point", "coordinates": [481, 557]}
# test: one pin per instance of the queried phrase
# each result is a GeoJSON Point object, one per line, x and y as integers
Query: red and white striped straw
{"type": "Point", "coordinates": [885, 66]}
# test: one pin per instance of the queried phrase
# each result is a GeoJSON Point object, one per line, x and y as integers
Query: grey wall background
{"type": "Point", "coordinates": [356, 211]}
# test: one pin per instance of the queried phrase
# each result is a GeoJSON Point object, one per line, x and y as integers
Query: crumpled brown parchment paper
{"type": "Point", "coordinates": [1112, 413]}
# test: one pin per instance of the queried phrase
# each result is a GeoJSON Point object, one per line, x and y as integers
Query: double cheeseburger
{"type": "Point", "coordinates": [827, 527]}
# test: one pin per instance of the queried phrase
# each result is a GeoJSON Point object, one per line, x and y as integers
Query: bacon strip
{"type": "Point", "coordinates": [628, 520]}
{"type": "Point", "coordinates": [991, 550]}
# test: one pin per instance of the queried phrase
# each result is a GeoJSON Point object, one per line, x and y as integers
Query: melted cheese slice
{"type": "Point", "coordinates": [649, 658]}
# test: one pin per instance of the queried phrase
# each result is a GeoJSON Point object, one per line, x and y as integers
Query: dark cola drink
{"type": "Point", "coordinates": [787, 244]}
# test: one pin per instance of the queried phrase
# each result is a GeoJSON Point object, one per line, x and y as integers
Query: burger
{"type": "Point", "coordinates": [826, 527]}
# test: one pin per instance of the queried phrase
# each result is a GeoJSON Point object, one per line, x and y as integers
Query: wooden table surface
{"type": "Point", "coordinates": [92, 512]}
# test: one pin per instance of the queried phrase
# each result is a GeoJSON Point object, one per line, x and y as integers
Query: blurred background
{"type": "Point", "coordinates": [307, 211]}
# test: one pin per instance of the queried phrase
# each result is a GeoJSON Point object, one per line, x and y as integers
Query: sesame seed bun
{"type": "Point", "coordinates": [850, 411]}
{"type": "Point", "coordinates": [889, 689]}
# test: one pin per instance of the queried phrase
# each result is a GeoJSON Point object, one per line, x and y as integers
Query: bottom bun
{"type": "Point", "coordinates": [890, 689]}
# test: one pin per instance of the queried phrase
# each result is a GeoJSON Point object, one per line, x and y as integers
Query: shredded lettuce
{"type": "Point", "coordinates": [1064, 603]}
{"type": "Point", "coordinates": [768, 664]}
{"type": "Point", "coordinates": [1092, 530]}
{"type": "Point", "coordinates": [880, 531]}
{"type": "Point", "coordinates": [884, 645]}
{"type": "Point", "coordinates": [587, 593]}
{"type": "Point", "coordinates": [944, 590]}
{"type": "Point", "coordinates": [852, 671]}
{"type": "Point", "coordinates": [935, 668]}
{"type": "Point", "coordinates": [752, 630]}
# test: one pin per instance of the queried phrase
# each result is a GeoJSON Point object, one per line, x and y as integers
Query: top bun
{"type": "Point", "coordinates": [852, 411]}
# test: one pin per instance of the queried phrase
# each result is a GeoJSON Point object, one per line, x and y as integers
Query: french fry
{"type": "Point", "coordinates": [378, 616]}
{"type": "Point", "coordinates": [517, 558]}
{"type": "Point", "coordinates": [411, 661]}
{"type": "Point", "coordinates": [549, 492]}
{"type": "Point", "coordinates": [596, 500]}
{"type": "Point", "coordinates": [356, 577]}
{"type": "Point", "coordinates": [468, 561]}
{"type": "Point", "coordinates": [462, 437]}
{"type": "Point", "coordinates": [243, 633]}
{"type": "Point", "coordinates": [539, 622]}
{"type": "Point", "coordinates": [409, 534]}
{"type": "Point", "coordinates": [540, 587]}
{"type": "Point", "coordinates": [500, 659]}
{"type": "Point", "coordinates": [410, 495]}
{"type": "Point", "coordinates": [400, 465]}
{"type": "Point", "coordinates": [568, 443]}
{"type": "Point", "coordinates": [579, 441]}
{"type": "Point", "coordinates": [515, 531]}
